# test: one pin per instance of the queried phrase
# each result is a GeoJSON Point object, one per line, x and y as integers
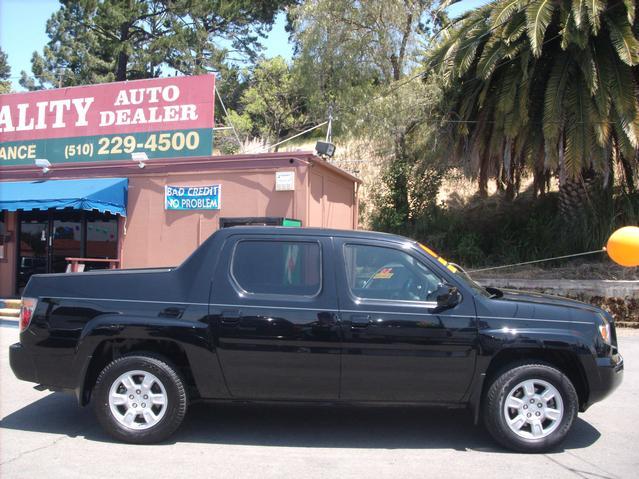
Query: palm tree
{"type": "Point", "coordinates": [549, 85]}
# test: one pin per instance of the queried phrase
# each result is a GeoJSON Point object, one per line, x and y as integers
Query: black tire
{"type": "Point", "coordinates": [175, 394]}
{"type": "Point", "coordinates": [495, 415]}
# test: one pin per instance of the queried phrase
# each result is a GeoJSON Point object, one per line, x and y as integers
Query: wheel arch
{"type": "Point", "coordinates": [111, 349]}
{"type": "Point", "coordinates": [565, 361]}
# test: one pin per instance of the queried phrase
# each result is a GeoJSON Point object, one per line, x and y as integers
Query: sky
{"type": "Point", "coordinates": [23, 23]}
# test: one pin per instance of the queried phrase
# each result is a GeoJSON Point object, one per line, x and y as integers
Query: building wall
{"type": "Point", "coordinates": [332, 202]}
{"type": "Point", "coordinates": [152, 236]}
{"type": "Point", "coordinates": [8, 263]}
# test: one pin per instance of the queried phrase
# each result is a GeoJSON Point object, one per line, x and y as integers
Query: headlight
{"type": "Point", "coordinates": [604, 330]}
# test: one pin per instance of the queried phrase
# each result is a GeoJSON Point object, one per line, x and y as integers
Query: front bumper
{"type": "Point", "coordinates": [22, 363]}
{"type": "Point", "coordinates": [608, 378]}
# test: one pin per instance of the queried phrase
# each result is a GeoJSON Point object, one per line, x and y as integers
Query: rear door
{"type": "Point", "coordinates": [398, 346]}
{"type": "Point", "coordinates": [276, 305]}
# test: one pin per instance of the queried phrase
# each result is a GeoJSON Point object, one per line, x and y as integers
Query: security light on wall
{"type": "Point", "coordinates": [44, 164]}
{"type": "Point", "coordinates": [140, 157]}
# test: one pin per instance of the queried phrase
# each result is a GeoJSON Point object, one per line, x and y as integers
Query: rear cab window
{"type": "Point", "coordinates": [274, 267]}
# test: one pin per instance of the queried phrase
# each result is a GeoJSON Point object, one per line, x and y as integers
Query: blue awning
{"type": "Point", "coordinates": [107, 195]}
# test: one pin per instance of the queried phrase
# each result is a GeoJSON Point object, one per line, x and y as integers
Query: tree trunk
{"type": "Point", "coordinates": [399, 179]}
{"type": "Point", "coordinates": [123, 57]}
{"type": "Point", "coordinates": [576, 195]}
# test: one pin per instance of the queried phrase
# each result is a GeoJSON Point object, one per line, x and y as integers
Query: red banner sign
{"type": "Point", "coordinates": [109, 121]}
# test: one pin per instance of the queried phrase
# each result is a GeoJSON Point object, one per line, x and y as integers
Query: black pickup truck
{"type": "Point", "coordinates": [310, 315]}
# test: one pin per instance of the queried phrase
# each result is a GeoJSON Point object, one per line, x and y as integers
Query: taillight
{"type": "Point", "coordinates": [26, 312]}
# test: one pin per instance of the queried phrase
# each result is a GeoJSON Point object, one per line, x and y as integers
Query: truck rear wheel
{"type": "Point", "coordinates": [530, 407]}
{"type": "Point", "coordinates": [140, 399]}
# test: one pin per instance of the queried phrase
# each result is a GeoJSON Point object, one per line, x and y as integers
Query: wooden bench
{"type": "Point", "coordinates": [77, 265]}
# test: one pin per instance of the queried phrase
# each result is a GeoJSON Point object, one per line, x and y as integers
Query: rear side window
{"type": "Point", "coordinates": [277, 267]}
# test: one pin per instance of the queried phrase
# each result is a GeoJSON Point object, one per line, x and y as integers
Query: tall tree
{"type": "Point", "coordinates": [5, 73]}
{"type": "Point", "coordinates": [553, 85]}
{"type": "Point", "coordinates": [346, 50]}
{"type": "Point", "coordinates": [355, 56]}
{"type": "Point", "coordinates": [274, 100]}
{"type": "Point", "coordinates": [99, 40]}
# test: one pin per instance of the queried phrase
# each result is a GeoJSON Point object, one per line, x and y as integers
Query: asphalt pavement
{"type": "Point", "coordinates": [46, 435]}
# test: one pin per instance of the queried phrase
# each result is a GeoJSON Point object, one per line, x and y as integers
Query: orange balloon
{"type": "Point", "coordinates": [623, 246]}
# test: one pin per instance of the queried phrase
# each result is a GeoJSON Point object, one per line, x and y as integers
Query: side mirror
{"type": "Point", "coordinates": [447, 296]}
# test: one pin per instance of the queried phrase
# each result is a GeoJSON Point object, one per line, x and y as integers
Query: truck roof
{"type": "Point", "coordinates": [310, 231]}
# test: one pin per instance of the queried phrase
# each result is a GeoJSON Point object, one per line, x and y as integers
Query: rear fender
{"type": "Point", "coordinates": [193, 337]}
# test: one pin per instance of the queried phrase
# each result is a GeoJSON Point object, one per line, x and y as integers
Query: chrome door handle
{"type": "Point", "coordinates": [360, 321]}
{"type": "Point", "coordinates": [230, 317]}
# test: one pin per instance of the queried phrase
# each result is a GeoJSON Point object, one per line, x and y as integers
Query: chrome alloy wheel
{"type": "Point", "coordinates": [138, 400]}
{"type": "Point", "coordinates": [533, 409]}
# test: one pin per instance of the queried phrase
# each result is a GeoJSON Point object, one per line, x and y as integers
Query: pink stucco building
{"type": "Point", "coordinates": [296, 185]}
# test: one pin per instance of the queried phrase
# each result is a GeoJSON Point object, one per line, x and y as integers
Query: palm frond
{"type": "Point", "coordinates": [538, 16]}
{"type": "Point", "coordinates": [571, 32]}
{"type": "Point", "coordinates": [504, 10]}
{"type": "Point", "coordinates": [578, 142]}
{"type": "Point", "coordinates": [623, 40]}
{"type": "Point", "coordinates": [617, 79]}
{"type": "Point", "coordinates": [493, 52]}
{"type": "Point", "coordinates": [594, 9]}
{"type": "Point", "coordinates": [578, 12]}
{"type": "Point", "coordinates": [554, 97]}
{"type": "Point", "coordinates": [624, 143]}
{"type": "Point", "coordinates": [630, 10]}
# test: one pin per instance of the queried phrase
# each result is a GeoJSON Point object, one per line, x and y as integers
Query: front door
{"type": "Point", "coordinates": [33, 254]}
{"type": "Point", "coordinates": [274, 302]}
{"type": "Point", "coordinates": [48, 238]}
{"type": "Point", "coordinates": [66, 239]}
{"type": "Point", "coordinates": [398, 346]}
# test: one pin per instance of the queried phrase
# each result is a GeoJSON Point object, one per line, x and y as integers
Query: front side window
{"type": "Point", "coordinates": [277, 267]}
{"type": "Point", "coordinates": [376, 272]}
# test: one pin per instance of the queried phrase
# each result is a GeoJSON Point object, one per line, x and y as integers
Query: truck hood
{"type": "Point", "coordinates": [547, 299]}
{"type": "Point", "coordinates": [518, 304]}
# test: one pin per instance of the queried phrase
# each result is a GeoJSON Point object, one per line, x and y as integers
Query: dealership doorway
{"type": "Point", "coordinates": [47, 238]}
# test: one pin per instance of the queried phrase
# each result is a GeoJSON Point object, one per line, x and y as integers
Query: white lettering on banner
{"type": "Point", "coordinates": [53, 113]}
{"type": "Point", "coordinates": [150, 115]}
{"type": "Point", "coordinates": [136, 96]}
{"type": "Point", "coordinates": [206, 197]}
{"type": "Point", "coordinates": [199, 203]}
{"type": "Point", "coordinates": [42, 108]}
{"type": "Point", "coordinates": [82, 108]}
{"type": "Point", "coordinates": [28, 120]}
{"type": "Point", "coordinates": [22, 113]}
{"type": "Point", "coordinates": [58, 106]}
{"type": "Point", "coordinates": [5, 119]}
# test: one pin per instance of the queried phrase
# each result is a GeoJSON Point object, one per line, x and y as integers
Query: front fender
{"type": "Point", "coordinates": [498, 345]}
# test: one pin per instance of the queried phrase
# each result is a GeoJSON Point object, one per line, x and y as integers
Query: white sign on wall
{"type": "Point", "coordinates": [284, 181]}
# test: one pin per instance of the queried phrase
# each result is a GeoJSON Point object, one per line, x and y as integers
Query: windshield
{"type": "Point", "coordinates": [458, 271]}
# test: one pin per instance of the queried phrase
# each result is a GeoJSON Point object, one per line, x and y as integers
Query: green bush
{"type": "Point", "coordinates": [494, 231]}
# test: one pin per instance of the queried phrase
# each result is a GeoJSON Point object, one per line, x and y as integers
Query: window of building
{"type": "Point", "coordinates": [102, 236]}
{"type": "Point", "coordinates": [376, 272]}
{"type": "Point", "coordinates": [277, 267]}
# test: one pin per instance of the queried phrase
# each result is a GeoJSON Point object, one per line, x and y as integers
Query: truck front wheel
{"type": "Point", "coordinates": [530, 407]}
{"type": "Point", "coordinates": [140, 399]}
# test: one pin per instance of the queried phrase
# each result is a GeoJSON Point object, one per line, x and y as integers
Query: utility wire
{"type": "Point", "coordinates": [268, 147]}
{"type": "Point", "coordinates": [226, 114]}
{"type": "Point", "coordinates": [537, 261]}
